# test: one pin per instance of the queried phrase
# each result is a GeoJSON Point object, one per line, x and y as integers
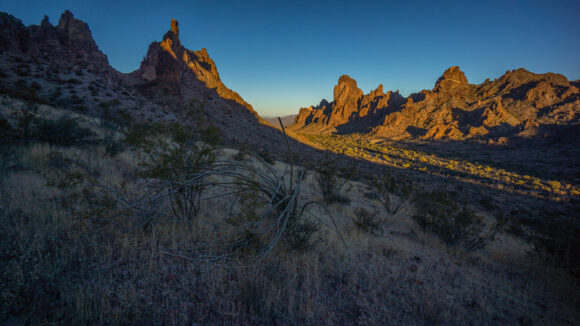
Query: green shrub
{"type": "Point", "coordinates": [211, 135]}
{"type": "Point", "coordinates": [455, 226]}
{"type": "Point", "coordinates": [181, 170]}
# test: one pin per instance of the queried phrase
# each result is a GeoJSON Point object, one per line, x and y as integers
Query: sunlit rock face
{"type": "Point", "coordinates": [346, 97]}
{"type": "Point", "coordinates": [452, 79]}
{"type": "Point", "coordinates": [175, 27]}
{"type": "Point", "coordinates": [454, 109]}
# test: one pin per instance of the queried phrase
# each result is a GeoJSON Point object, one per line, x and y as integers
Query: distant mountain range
{"type": "Point", "coordinates": [518, 104]}
{"type": "Point", "coordinates": [287, 120]}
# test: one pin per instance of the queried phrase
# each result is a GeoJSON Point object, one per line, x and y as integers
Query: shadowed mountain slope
{"type": "Point", "coordinates": [63, 66]}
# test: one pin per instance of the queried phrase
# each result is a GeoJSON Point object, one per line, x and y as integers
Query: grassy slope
{"type": "Point", "coordinates": [71, 253]}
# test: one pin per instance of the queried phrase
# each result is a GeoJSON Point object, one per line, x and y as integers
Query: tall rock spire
{"type": "Point", "coordinates": [175, 27]}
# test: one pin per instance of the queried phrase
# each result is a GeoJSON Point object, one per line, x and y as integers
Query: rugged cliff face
{"type": "Point", "coordinates": [68, 43]}
{"type": "Point", "coordinates": [171, 68]}
{"type": "Point", "coordinates": [516, 104]}
{"type": "Point", "coordinates": [351, 110]}
{"type": "Point", "coordinates": [62, 65]}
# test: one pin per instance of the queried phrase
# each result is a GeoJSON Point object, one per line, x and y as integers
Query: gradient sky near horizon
{"type": "Point", "coordinates": [283, 55]}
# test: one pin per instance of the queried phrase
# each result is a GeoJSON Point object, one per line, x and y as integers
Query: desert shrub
{"type": "Point", "coordinates": [301, 235]}
{"type": "Point", "coordinates": [64, 131]}
{"type": "Point", "coordinates": [558, 244]}
{"type": "Point", "coordinates": [367, 222]}
{"type": "Point", "coordinates": [182, 170]}
{"type": "Point", "coordinates": [271, 208]}
{"type": "Point", "coordinates": [75, 99]}
{"type": "Point", "coordinates": [56, 94]}
{"type": "Point", "coordinates": [331, 183]}
{"type": "Point", "coordinates": [266, 156]}
{"type": "Point", "coordinates": [119, 117]}
{"type": "Point", "coordinates": [80, 108]}
{"type": "Point", "coordinates": [392, 193]}
{"type": "Point", "coordinates": [138, 134]}
{"type": "Point", "coordinates": [22, 70]}
{"type": "Point", "coordinates": [487, 202]}
{"type": "Point", "coordinates": [180, 134]}
{"type": "Point", "coordinates": [455, 226]}
{"type": "Point", "coordinates": [66, 180]}
{"type": "Point", "coordinates": [211, 135]}
{"type": "Point", "coordinates": [22, 91]}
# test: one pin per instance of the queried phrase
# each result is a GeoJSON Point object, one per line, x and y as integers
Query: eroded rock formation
{"type": "Point", "coordinates": [454, 109]}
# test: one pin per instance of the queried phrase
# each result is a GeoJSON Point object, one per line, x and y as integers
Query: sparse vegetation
{"type": "Point", "coordinates": [457, 227]}
{"type": "Point", "coordinates": [393, 193]}
{"type": "Point", "coordinates": [400, 156]}
{"type": "Point", "coordinates": [366, 221]}
{"type": "Point", "coordinates": [331, 183]}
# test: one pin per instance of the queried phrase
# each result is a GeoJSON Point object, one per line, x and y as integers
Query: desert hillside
{"type": "Point", "coordinates": [161, 197]}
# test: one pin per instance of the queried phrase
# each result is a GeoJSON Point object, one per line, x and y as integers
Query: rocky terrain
{"type": "Point", "coordinates": [518, 105]}
{"type": "Point", "coordinates": [62, 65]}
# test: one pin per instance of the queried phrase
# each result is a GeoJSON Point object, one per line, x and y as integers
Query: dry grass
{"type": "Point", "coordinates": [70, 256]}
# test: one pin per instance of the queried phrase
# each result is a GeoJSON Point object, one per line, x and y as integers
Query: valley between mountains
{"type": "Point", "coordinates": [161, 196]}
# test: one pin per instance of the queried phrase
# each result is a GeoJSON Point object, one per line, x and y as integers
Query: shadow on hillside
{"type": "Point", "coordinates": [551, 153]}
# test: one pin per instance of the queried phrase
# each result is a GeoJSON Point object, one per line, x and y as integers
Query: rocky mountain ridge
{"type": "Point", "coordinates": [519, 103]}
{"type": "Point", "coordinates": [62, 65]}
{"type": "Point", "coordinates": [69, 43]}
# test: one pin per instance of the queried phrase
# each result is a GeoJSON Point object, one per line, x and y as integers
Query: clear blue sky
{"type": "Point", "coordinates": [284, 55]}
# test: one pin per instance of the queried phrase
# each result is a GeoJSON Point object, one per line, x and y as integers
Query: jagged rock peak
{"type": "Point", "coordinates": [378, 91]}
{"type": "Point", "coordinates": [346, 89]}
{"type": "Point", "coordinates": [65, 20]}
{"type": "Point", "coordinates": [76, 32]}
{"type": "Point", "coordinates": [175, 27]}
{"type": "Point", "coordinates": [452, 78]}
{"type": "Point", "coordinates": [45, 21]}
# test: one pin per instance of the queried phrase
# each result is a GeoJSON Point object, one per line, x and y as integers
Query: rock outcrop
{"type": "Point", "coordinates": [346, 100]}
{"type": "Point", "coordinates": [453, 109]}
{"type": "Point", "coordinates": [69, 43]}
{"type": "Point", "coordinates": [453, 79]}
{"type": "Point", "coordinates": [185, 73]}
{"type": "Point", "coordinates": [62, 65]}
